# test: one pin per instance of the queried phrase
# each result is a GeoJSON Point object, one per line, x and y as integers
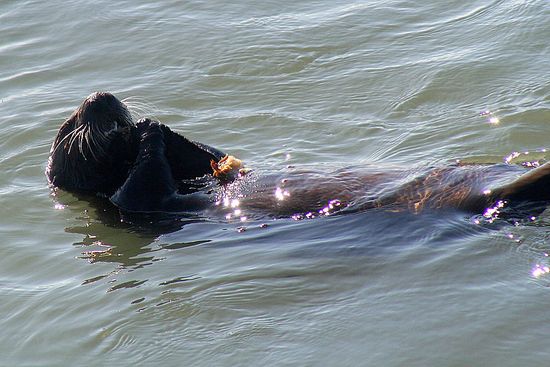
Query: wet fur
{"type": "Point", "coordinates": [146, 167]}
{"type": "Point", "coordinates": [100, 150]}
{"type": "Point", "coordinates": [89, 155]}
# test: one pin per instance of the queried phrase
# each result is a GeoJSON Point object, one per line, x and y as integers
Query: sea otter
{"type": "Point", "coordinates": [141, 167]}
{"type": "Point", "coordinates": [145, 167]}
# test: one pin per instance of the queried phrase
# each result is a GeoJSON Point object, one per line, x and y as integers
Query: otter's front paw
{"type": "Point", "coordinates": [148, 130]}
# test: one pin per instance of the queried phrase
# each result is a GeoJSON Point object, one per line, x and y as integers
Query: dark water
{"type": "Point", "coordinates": [311, 83]}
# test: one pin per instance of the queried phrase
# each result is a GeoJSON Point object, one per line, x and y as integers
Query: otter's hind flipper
{"type": "Point", "coordinates": [533, 186]}
{"type": "Point", "coordinates": [150, 186]}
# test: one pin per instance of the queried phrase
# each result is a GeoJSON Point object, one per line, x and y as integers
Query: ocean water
{"type": "Point", "coordinates": [276, 83]}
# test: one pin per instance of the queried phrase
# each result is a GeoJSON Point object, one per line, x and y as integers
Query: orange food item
{"type": "Point", "coordinates": [225, 166]}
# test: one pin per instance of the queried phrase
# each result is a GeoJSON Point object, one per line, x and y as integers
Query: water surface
{"type": "Point", "coordinates": [311, 83]}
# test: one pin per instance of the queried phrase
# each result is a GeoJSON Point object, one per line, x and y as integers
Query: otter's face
{"type": "Point", "coordinates": [98, 120]}
{"type": "Point", "coordinates": [95, 139]}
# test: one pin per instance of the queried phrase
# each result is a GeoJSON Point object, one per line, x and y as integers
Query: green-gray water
{"type": "Point", "coordinates": [276, 83]}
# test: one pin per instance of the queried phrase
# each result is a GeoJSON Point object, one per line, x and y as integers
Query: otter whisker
{"type": "Point", "coordinates": [60, 143]}
{"type": "Point", "coordinates": [78, 140]}
{"type": "Point", "coordinates": [98, 139]}
{"type": "Point", "coordinates": [137, 111]}
{"type": "Point", "coordinates": [75, 136]}
{"type": "Point", "coordinates": [94, 134]}
{"type": "Point", "coordinates": [138, 100]}
{"type": "Point", "coordinates": [138, 107]}
{"type": "Point", "coordinates": [127, 118]}
{"type": "Point", "coordinates": [90, 144]}
{"type": "Point", "coordinates": [81, 138]}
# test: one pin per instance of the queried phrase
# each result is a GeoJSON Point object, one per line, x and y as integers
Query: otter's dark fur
{"type": "Point", "coordinates": [146, 167]}
{"type": "Point", "coordinates": [100, 150]}
{"type": "Point", "coordinates": [93, 150]}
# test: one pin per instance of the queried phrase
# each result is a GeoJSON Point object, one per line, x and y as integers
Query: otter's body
{"type": "Point", "coordinates": [312, 193]}
{"type": "Point", "coordinates": [146, 167]}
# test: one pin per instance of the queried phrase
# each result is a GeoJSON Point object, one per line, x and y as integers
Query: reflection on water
{"type": "Point", "coordinates": [129, 242]}
{"type": "Point", "coordinates": [284, 83]}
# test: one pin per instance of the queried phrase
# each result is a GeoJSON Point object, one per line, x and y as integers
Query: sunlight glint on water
{"type": "Point", "coordinates": [277, 84]}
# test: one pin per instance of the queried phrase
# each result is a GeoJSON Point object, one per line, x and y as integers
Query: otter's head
{"type": "Point", "coordinates": [93, 149]}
